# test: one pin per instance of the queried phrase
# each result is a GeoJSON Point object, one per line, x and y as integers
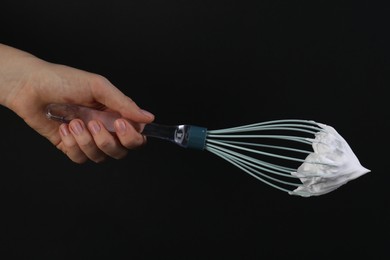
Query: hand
{"type": "Point", "coordinates": [28, 84]}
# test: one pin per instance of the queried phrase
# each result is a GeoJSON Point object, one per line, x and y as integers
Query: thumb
{"type": "Point", "coordinates": [114, 99]}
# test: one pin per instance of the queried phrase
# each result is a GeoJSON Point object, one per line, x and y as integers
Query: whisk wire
{"type": "Point", "coordinates": [273, 125]}
{"type": "Point", "coordinates": [268, 146]}
{"type": "Point", "coordinates": [254, 173]}
{"type": "Point", "coordinates": [259, 164]}
{"type": "Point", "coordinates": [281, 137]}
{"type": "Point", "coordinates": [256, 151]}
{"type": "Point", "coordinates": [239, 146]}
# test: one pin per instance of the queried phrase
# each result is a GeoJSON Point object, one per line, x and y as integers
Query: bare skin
{"type": "Point", "coordinates": [28, 84]}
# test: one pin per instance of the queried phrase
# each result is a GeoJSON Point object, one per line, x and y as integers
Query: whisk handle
{"type": "Point", "coordinates": [187, 136]}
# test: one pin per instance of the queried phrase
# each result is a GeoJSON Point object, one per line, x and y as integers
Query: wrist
{"type": "Point", "coordinates": [15, 67]}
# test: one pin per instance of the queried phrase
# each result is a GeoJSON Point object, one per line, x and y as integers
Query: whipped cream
{"type": "Point", "coordinates": [331, 165]}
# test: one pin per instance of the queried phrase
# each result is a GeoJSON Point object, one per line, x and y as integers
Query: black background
{"type": "Point", "coordinates": [215, 64]}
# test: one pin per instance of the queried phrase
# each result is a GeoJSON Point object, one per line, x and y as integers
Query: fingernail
{"type": "Point", "coordinates": [94, 127]}
{"type": "Point", "coordinates": [76, 127]}
{"type": "Point", "coordinates": [146, 113]}
{"type": "Point", "coordinates": [120, 126]}
{"type": "Point", "coordinates": [64, 130]}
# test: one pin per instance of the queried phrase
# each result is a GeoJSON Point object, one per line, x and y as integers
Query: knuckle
{"type": "Point", "coordinates": [84, 144]}
{"type": "Point", "coordinates": [105, 144]}
{"type": "Point", "coordinates": [99, 159]}
{"type": "Point", "coordinates": [72, 146]}
{"type": "Point", "coordinates": [120, 155]}
{"type": "Point", "coordinates": [98, 82]}
{"type": "Point", "coordinates": [133, 142]}
{"type": "Point", "coordinates": [98, 79]}
{"type": "Point", "coordinates": [76, 158]}
{"type": "Point", "coordinates": [79, 160]}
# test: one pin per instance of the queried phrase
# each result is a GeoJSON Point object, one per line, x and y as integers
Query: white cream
{"type": "Point", "coordinates": [331, 165]}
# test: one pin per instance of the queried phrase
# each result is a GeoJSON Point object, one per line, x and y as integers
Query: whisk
{"type": "Point", "coordinates": [300, 157]}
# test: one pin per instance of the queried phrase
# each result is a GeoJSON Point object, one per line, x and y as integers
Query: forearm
{"type": "Point", "coordinates": [14, 68]}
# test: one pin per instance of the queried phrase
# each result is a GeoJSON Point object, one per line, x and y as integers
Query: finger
{"type": "Point", "coordinates": [105, 141]}
{"type": "Point", "coordinates": [69, 145]}
{"type": "Point", "coordinates": [127, 134]}
{"type": "Point", "coordinates": [107, 94]}
{"type": "Point", "coordinates": [85, 141]}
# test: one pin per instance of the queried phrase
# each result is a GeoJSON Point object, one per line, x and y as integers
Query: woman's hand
{"type": "Point", "coordinates": [28, 84]}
